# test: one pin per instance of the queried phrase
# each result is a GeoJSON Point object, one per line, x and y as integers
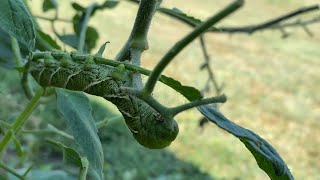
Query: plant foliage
{"type": "Point", "coordinates": [118, 81]}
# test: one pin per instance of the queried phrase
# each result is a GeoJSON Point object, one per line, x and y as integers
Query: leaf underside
{"type": "Point", "coordinates": [266, 156]}
{"type": "Point", "coordinates": [76, 109]}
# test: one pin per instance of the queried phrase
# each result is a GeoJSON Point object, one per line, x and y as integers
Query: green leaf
{"type": "Point", "coordinates": [76, 109]}
{"type": "Point", "coordinates": [49, 4]}
{"type": "Point", "coordinates": [266, 156]}
{"type": "Point", "coordinates": [6, 55]}
{"type": "Point", "coordinates": [70, 155]}
{"type": "Point", "coordinates": [92, 34]}
{"type": "Point", "coordinates": [69, 39]}
{"type": "Point", "coordinates": [78, 7]}
{"type": "Point", "coordinates": [16, 21]}
{"type": "Point", "coordinates": [107, 4]}
{"type": "Point", "coordinates": [189, 92]}
{"type": "Point", "coordinates": [92, 37]}
{"type": "Point", "coordinates": [45, 38]}
{"type": "Point", "coordinates": [72, 40]}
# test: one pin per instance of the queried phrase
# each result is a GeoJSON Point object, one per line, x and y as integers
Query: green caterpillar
{"type": "Point", "coordinates": [148, 126]}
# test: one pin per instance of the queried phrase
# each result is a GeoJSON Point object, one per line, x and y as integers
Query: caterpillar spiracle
{"type": "Point", "coordinates": [148, 126]}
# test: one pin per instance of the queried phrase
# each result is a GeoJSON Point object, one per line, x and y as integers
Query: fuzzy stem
{"type": "Point", "coordinates": [135, 58]}
{"type": "Point", "coordinates": [138, 36]}
{"type": "Point", "coordinates": [25, 82]}
{"type": "Point", "coordinates": [24, 78]}
{"type": "Point", "coordinates": [21, 119]}
{"type": "Point", "coordinates": [179, 109]}
{"type": "Point", "coordinates": [185, 41]}
{"type": "Point", "coordinates": [84, 169]}
{"type": "Point", "coordinates": [59, 132]}
{"type": "Point", "coordinates": [16, 51]}
{"type": "Point", "coordinates": [103, 123]}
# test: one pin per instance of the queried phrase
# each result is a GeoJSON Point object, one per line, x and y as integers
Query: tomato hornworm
{"type": "Point", "coordinates": [148, 126]}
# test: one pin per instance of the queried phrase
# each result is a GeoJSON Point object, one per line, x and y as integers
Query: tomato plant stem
{"type": "Point", "coordinates": [21, 119]}
{"type": "Point", "coordinates": [180, 45]}
{"type": "Point", "coordinates": [138, 37]}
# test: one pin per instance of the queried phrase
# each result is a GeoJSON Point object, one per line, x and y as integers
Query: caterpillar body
{"type": "Point", "coordinates": [148, 126]}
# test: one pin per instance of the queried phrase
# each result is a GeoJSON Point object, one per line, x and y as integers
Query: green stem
{"type": "Point", "coordinates": [59, 132]}
{"type": "Point", "coordinates": [24, 79]}
{"type": "Point", "coordinates": [179, 109]}
{"type": "Point", "coordinates": [84, 169]}
{"type": "Point", "coordinates": [166, 112]}
{"type": "Point", "coordinates": [185, 41]}
{"type": "Point", "coordinates": [138, 36]}
{"type": "Point", "coordinates": [84, 27]}
{"type": "Point", "coordinates": [135, 58]}
{"type": "Point", "coordinates": [25, 82]}
{"type": "Point", "coordinates": [103, 123]}
{"type": "Point", "coordinates": [27, 171]}
{"type": "Point", "coordinates": [11, 171]}
{"type": "Point", "coordinates": [21, 119]}
{"type": "Point", "coordinates": [16, 51]}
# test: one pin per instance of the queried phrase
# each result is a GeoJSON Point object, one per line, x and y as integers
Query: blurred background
{"type": "Point", "coordinates": [272, 85]}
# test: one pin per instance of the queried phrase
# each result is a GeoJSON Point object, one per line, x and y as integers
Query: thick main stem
{"type": "Point", "coordinates": [185, 41]}
{"type": "Point", "coordinates": [138, 36]}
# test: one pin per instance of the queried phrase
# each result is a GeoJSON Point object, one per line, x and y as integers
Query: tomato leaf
{"type": "Point", "coordinates": [16, 21]}
{"type": "Point", "coordinates": [266, 156]}
{"type": "Point", "coordinates": [76, 109]}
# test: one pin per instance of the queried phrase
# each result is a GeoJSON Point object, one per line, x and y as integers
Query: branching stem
{"type": "Point", "coordinates": [270, 23]}
{"type": "Point", "coordinates": [138, 36]}
{"type": "Point", "coordinates": [212, 78]}
{"type": "Point", "coordinates": [179, 109]}
{"type": "Point", "coordinates": [185, 41]}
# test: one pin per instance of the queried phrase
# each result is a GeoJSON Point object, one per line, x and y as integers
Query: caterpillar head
{"type": "Point", "coordinates": [157, 132]}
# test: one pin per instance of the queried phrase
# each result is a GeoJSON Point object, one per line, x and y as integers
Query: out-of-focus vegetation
{"type": "Point", "coordinates": [272, 86]}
